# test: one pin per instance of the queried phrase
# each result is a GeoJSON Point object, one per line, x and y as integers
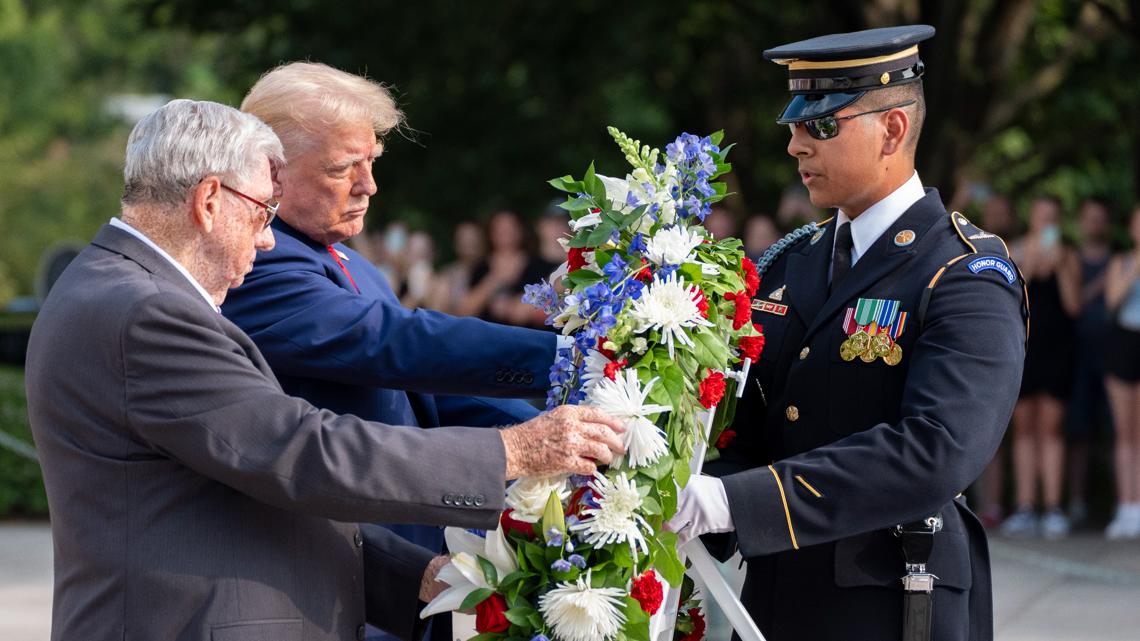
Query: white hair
{"type": "Point", "coordinates": [301, 99]}
{"type": "Point", "coordinates": [175, 147]}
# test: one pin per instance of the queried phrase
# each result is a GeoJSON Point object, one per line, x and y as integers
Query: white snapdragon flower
{"type": "Point", "coordinates": [528, 495]}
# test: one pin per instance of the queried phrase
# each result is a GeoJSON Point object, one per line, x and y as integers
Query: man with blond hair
{"type": "Point", "coordinates": [327, 320]}
{"type": "Point", "coordinates": [191, 499]}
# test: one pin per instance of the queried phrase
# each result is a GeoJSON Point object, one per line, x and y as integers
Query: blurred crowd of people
{"type": "Point", "coordinates": [1080, 390]}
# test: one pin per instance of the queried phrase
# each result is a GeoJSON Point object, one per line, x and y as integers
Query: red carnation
{"type": "Point", "coordinates": [510, 524]}
{"type": "Point", "coordinates": [645, 274]}
{"type": "Point", "coordinates": [575, 259]}
{"type": "Point", "coordinates": [702, 304]}
{"type": "Point", "coordinates": [611, 369]}
{"type": "Point", "coordinates": [698, 632]}
{"type": "Point", "coordinates": [742, 312]}
{"type": "Point", "coordinates": [724, 439]}
{"type": "Point", "coordinates": [608, 353]}
{"type": "Point", "coordinates": [712, 389]}
{"type": "Point", "coordinates": [646, 590]}
{"type": "Point", "coordinates": [752, 346]}
{"type": "Point", "coordinates": [491, 614]}
{"type": "Point", "coordinates": [751, 278]}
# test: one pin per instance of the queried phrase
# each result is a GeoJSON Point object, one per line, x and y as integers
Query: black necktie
{"type": "Point", "coordinates": [841, 260]}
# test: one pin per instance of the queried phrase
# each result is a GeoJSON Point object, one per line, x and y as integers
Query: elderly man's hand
{"type": "Point", "coordinates": [702, 508]}
{"type": "Point", "coordinates": [567, 439]}
{"type": "Point", "coordinates": [430, 587]}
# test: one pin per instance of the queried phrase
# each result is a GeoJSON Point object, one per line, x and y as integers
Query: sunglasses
{"type": "Point", "coordinates": [270, 210]}
{"type": "Point", "coordinates": [827, 127]}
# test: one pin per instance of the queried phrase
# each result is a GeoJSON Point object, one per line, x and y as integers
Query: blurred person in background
{"type": "Point", "coordinates": [454, 280]}
{"type": "Point", "coordinates": [999, 218]}
{"type": "Point", "coordinates": [1088, 407]}
{"type": "Point", "coordinates": [501, 274]}
{"type": "Point", "coordinates": [1122, 362]}
{"type": "Point", "coordinates": [760, 232]}
{"type": "Point", "coordinates": [721, 223]}
{"type": "Point", "coordinates": [1053, 273]}
{"type": "Point", "coordinates": [417, 271]}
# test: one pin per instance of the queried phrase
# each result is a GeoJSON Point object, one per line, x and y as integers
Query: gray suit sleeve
{"type": "Point", "coordinates": [194, 393]}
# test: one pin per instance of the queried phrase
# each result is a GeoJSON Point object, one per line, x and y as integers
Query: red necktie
{"type": "Point", "coordinates": [336, 256]}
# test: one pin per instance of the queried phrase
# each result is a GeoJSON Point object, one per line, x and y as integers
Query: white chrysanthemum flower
{"type": "Point", "coordinates": [671, 308]}
{"type": "Point", "coordinates": [463, 573]}
{"type": "Point", "coordinates": [615, 520]}
{"type": "Point", "coordinates": [674, 246]}
{"type": "Point", "coordinates": [595, 369]}
{"type": "Point", "coordinates": [623, 398]}
{"type": "Point", "coordinates": [528, 495]}
{"type": "Point", "coordinates": [578, 612]}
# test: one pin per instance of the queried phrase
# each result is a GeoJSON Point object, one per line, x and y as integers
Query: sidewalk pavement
{"type": "Point", "coordinates": [1077, 589]}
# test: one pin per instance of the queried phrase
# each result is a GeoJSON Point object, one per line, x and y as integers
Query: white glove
{"type": "Point", "coordinates": [702, 508]}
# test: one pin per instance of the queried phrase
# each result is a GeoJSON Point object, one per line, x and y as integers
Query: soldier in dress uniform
{"type": "Point", "coordinates": [895, 341]}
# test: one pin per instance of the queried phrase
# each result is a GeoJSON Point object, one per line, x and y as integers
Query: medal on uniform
{"type": "Point", "coordinates": [872, 327]}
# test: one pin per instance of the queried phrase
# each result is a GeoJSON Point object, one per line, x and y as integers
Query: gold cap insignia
{"type": "Point", "coordinates": [885, 78]}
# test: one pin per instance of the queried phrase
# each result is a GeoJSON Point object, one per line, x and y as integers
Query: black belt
{"type": "Point", "coordinates": [918, 585]}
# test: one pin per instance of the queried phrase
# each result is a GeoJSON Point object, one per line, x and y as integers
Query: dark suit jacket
{"type": "Point", "coordinates": [192, 499]}
{"type": "Point", "coordinates": [835, 452]}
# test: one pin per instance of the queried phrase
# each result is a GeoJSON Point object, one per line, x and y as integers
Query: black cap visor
{"type": "Point", "coordinates": [807, 106]}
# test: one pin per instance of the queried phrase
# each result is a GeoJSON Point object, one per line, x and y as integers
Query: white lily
{"type": "Point", "coordinates": [589, 220]}
{"type": "Point", "coordinates": [463, 573]}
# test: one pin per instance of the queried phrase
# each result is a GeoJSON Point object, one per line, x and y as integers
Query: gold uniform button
{"type": "Point", "coordinates": [793, 413]}
{"type": "Point", "coordinates": [804, 353]}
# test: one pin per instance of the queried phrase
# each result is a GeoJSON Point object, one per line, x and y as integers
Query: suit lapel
{"type": "Point", "coordinates": [806, 275]}
{"type": "Point", "coordinates": [883, 257]}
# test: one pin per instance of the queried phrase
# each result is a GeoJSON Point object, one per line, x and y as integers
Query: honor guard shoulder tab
{"type": "Point", "coordinates": [787, 242]}
{"type": "Point", "coordinates": [991, 247]}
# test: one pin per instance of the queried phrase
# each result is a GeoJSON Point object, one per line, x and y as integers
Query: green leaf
{"type": "Point", "coordinates": [659, 469]}
{"type": "Point", "coordinates": [487, 636]}
{"type": "Point", "coordinates": [600, 235]}
{"type": "Point", "coordinates": [667, 492]}
{"type": "Point", "coordinates": [535, 556]}
{"type": "Point", "coordinates": [682, 472]}
{"type": "Point", "coordinates": [590, 180]}
{"type": "Point", "coordinates": [716, 136]}
{"type": "Point", "coordinates": [622, 556]}
{"type": "Point", "coordinates": [636, 626]}
{"type": "Point", "coordinates": [489, 571]}
{"type": "Point", "coordinates": [716, 347]}
{"type": "Point", "coordinates": [566, 183]}
{"type": "Point", "coordinates": [649, 505]}
{"type": "Point", "coordinates": [520, 616]}
{"type": "Point", "coordinates": [663, 552]}
{"type": "Point", "coordinates": [577, 204]}
{"type": "Point", "coordinates": [583, 277]}
{"type": "Point", "coordinates": [475, 598]}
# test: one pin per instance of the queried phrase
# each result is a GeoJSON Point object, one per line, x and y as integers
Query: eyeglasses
{"type": "Point", "coordinates": [827, 127]}
{"type": "Point", "coordinates": [270, 210]}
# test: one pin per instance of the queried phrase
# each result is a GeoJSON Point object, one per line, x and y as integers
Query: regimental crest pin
{"type": "Point", "coordinates": [904, 238]}
{"type": "Point", "coordinates": [815, 238]}
{"type": "Point", "coordinates": [777, 294]}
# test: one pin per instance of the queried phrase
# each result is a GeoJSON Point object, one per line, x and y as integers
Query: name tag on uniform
{"type": "Point", "coordinates": [769, 307]}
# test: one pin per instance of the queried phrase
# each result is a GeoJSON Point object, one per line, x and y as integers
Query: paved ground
{"type": "Point", "coordinates": [1079, 589]}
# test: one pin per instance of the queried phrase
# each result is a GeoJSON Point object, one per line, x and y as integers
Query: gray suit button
{"type": "Point", "coordinates": [360, 633]}
{"type": "Point", "coordinates": [358, 539]}
{"type": "Point", "coordinates": [480, 500]}
{"type": "Point", "coordinates": [528, 379]}
{"type": "Point", "coordinates": [447, 499]}
{"type": "Point", "coordinates": [468, 500]}
{"type": "Point", "coordinates": [499, 375]}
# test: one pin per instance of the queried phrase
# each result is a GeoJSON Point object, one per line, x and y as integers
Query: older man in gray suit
{"type": "Point", "coordinates": [190, 497]}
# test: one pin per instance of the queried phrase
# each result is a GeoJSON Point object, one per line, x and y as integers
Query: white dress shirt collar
{"type": "Point", "coordinates": [117, 222]}
{"type": "Point", "coordinates": [868, 226]}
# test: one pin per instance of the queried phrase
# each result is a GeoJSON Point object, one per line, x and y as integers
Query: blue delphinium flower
{"type": "Point", "coordinates": [577, 561]}
{"type": "Point", "coordinates": [666, 270]}
{"type": "Point", "coordinates": [560, 565]}
{"type": "Point", "coordinates": [540, 637]}
{"type": "Point", "coordinates": [541, 295]}
{"type": "Point", "coordinates": [637, 243]}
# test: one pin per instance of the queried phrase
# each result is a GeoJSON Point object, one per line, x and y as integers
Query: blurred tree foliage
{"type": "Point", "coordinates": [1023, 95]}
